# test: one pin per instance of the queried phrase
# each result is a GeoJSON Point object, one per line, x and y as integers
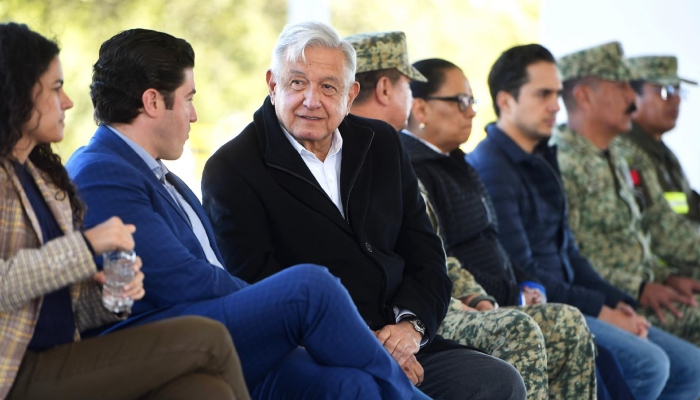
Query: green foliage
{"type": "Point", "coordinates": [232, 41]}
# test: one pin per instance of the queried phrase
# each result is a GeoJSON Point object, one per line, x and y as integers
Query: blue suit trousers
{"type": "Point", "coordinates": [299, 336]}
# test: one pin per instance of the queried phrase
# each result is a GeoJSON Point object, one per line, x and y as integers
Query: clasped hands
{"type": "Point", "coordinates": [676, 289]}
{"type": "Point", "coordinates": [402, 341]}
{"type": "Point", "coordinates": [624, 317]}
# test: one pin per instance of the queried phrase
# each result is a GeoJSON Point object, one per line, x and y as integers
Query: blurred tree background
{"type": "Point", "coordinates": [233, 40]}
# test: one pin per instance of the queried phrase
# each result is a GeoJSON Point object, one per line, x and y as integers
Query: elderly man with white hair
{"type": "Point", "coordinates": [306, 182]}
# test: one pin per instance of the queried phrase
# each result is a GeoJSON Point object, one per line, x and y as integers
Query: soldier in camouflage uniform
{"type": "Point", "coordinates": [604, 213]}
{"type": "Point", "coordinates": [662, 188]}
{"type": "Point", "coordinates": [555, 357]}
{"type": "Point", "coordinates": [659, 95]}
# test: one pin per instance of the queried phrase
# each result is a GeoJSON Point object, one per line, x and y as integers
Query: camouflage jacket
{"type": "Point", "coordinates": [604, 214]}
{"type": "Point", "coordinates": [674, 238]}
{"type": "Point", "coordinates": [663, 162]}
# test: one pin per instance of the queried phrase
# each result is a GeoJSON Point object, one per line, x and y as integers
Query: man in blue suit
{"type": "Point", "coordinates": [142, 90]}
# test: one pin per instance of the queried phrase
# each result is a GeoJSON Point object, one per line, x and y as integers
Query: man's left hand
{"type": "Point", "coordinates": [401, 340]}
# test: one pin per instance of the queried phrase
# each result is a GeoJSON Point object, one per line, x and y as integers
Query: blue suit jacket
{"type": "Point", "coordinates": [533, 223]}
{"type": "Point", "coordinates": [113, 180]}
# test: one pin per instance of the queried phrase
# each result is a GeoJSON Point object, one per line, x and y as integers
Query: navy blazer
{"type": "Point", "coordinates": [113, 180]}
{"type": "Point", "coordinates": [530, 202]}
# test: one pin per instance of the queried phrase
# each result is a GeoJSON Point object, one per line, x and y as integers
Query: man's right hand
{"type": "Point", "coordinates": [110, 235]}
{"type": "Point", "coordinates": [623, 319]}
{"type": "Point", "coordinates": [656, 296]}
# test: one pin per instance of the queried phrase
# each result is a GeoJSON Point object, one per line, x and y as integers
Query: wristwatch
{"type": "Point", "coordinates": [417, 325]}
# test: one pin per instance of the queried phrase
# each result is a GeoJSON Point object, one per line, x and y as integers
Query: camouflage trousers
{"type": "Point", "coordinates": [687, 328]}
{"type": "Point", "coordinates": [550, 345]}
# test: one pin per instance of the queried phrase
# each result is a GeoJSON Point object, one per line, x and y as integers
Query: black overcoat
{"type": "Point", "coordinates": [269, 213]}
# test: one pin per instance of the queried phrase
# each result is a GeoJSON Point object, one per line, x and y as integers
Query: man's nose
{"type": "Point", "coordinates": [193, 115]}
{"type": "Point", "coordinates": [554, 105]}
{"type": "Point", "coordinates": [312, 97]}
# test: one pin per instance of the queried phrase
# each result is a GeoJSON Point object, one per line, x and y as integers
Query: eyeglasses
{"type": "Point", "coordinates": [667, 91]}
{"type": "Point", "coordinates": [463, 101]}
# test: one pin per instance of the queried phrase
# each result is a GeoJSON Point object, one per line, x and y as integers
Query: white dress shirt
{"type": "Point", "coordinates": [327, 172]}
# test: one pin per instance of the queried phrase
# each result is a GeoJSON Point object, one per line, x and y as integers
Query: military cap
{"type": "Point", "coordinates": [604, 62]}
{"type": "Point", "coordinates": [659, 70]}
{"type": "Point", "coordinates": [383, 50]}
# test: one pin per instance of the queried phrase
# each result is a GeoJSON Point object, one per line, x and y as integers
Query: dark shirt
{"type": "Point", "coordinates": [530, 202]}
{"type": "Point", "coordinates": [56, 323]}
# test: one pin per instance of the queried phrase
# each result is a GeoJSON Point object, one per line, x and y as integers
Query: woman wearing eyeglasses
{"type": "Point", "coordinates": [50, 289]}
{"type": "Point", "coordinates": [443, 108]}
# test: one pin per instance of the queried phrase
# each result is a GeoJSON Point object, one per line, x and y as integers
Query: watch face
{"type": "Point", "coordinates": [418, 325]}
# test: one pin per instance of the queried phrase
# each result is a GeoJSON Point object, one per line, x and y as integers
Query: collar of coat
{"type": "Point", "coordinates": [514, 152]}
{"type": "Point", "coordinates": [58, 204]}
{"type": "Point", "coordinates": [279, 153]}
{"type": "Point", "coordinates": [568, 141]}
{"type": "Point", "coordinates": [638, 136]}
{"type": "Point", "coordinates": [419, 152]}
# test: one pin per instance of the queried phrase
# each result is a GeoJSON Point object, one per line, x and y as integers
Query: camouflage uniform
{"type": "Point", "coordinates": [642, 151]}
{"type": "Point", "coordinates": [607, 224]}
{"type": "Point", "coordinates": [660, 71]}
{"type": "Point", "coordinates": [674, 239]}
{"type": "Point", "coordinates": [603, 210]}
{"type": "Point", "coordinates": [549, 344]}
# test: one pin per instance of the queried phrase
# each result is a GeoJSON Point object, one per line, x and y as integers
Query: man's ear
{"type": "Point", "coordinates": [352, 94]}
{"type": "Point", "coordinates": [271, 84]}
{"type": "Point", "coordinates": [582, 96]}
{"type": "Point", "coordinates": [383, 90]}
{"type": "Point", "coordinates": [503, 101]}
{"type": "Point", "coordinates": [152, 102]}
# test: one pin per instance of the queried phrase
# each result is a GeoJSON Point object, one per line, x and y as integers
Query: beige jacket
{"type": "Point", "coordinates": [29, 270]}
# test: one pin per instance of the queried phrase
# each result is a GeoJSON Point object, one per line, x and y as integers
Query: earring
{"type": "Point", "coordinates": [421, 126]}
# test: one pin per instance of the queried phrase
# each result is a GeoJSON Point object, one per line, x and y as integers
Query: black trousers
{"type": "Point", "coordinates": [460, 373]}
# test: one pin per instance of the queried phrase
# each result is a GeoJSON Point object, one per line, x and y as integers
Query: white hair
{"type": "Point", "coordinates": [295, 38]}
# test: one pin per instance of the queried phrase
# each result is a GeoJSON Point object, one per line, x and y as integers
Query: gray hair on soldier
{"type": "Point", "coordinates": [295, 38]}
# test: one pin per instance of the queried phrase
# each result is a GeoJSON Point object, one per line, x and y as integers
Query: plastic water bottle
{"type": "Point", "coordinates": [119, 271]}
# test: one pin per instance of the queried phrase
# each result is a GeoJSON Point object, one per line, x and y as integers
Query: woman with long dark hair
{"type": "Point", "coordinates": [50, 287]}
